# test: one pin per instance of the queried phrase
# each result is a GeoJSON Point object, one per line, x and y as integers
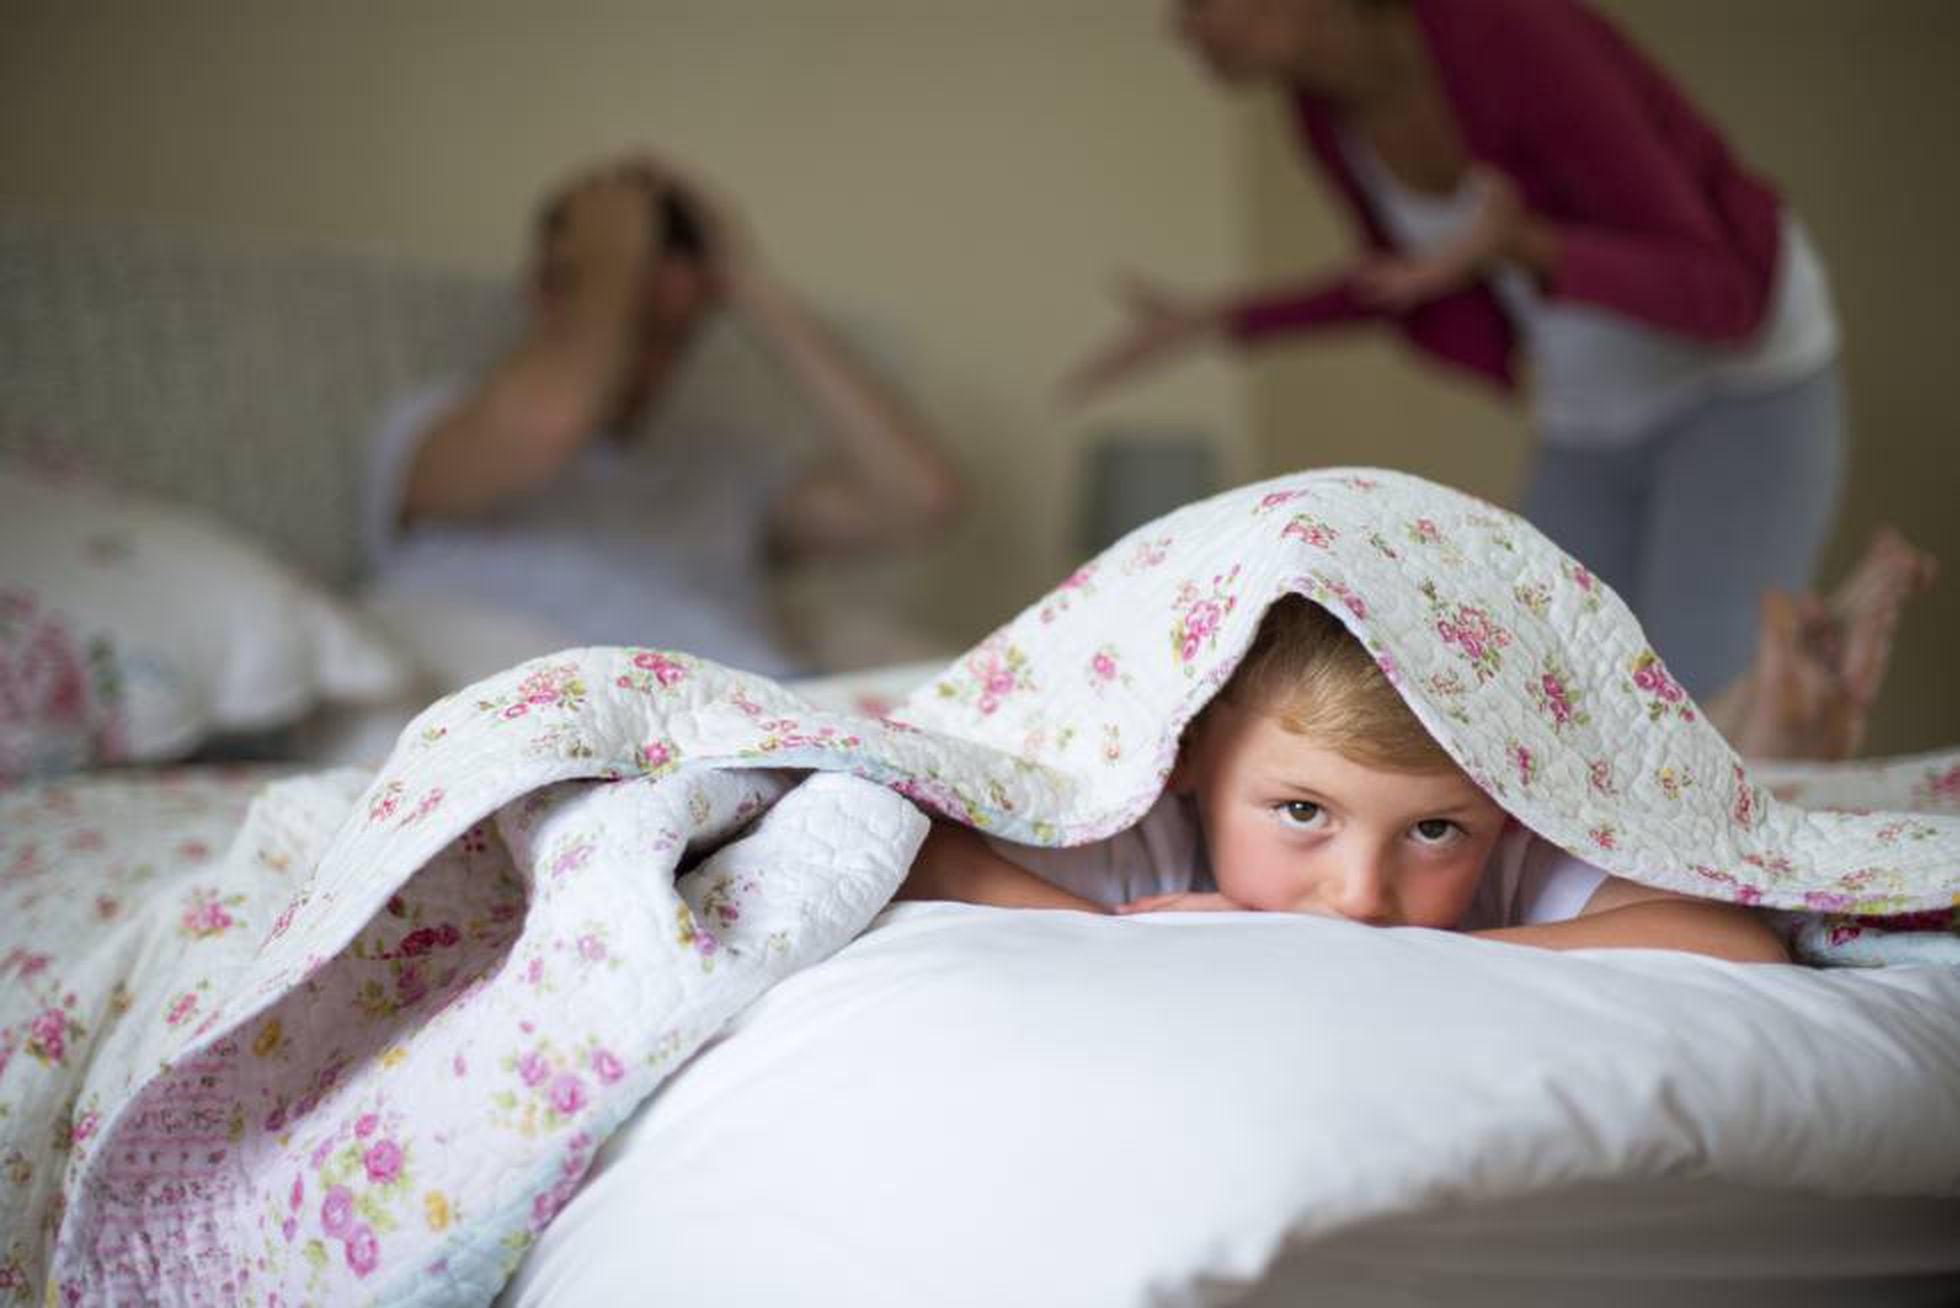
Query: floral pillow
{"type": "Point", "coordinates": [133, 631]}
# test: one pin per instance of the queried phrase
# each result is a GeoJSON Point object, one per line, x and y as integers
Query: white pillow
{"type": "Point", "coordinates": [971, 1107]}
{"type": "Point", "coordinates": [130, 631]}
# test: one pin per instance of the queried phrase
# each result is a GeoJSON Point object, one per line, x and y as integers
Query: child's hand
{"type": "Point", "coordinates": [1184, 902]}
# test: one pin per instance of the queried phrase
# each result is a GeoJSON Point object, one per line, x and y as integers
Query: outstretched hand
{"type": "Point", "coordinates": [1162, 324]}
{"type": "Point", "coordinates": [1399, 282]}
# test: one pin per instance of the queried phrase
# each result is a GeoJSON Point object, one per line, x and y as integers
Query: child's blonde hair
{"type": "Point", "coordinates": [1310, 672]}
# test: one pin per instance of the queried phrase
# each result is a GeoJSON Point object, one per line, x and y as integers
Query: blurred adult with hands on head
{"type": "Point", "coordinates": [558, 486]}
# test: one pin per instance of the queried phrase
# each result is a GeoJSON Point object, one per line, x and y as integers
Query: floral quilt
{"type": "Point", "coordinates": [360, 1046]}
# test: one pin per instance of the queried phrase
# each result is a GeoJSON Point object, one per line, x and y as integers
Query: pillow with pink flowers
{"type": "Point", "coordinates": [132, 631]}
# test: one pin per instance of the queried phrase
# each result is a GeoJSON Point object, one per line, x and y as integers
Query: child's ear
{"type": "Point", "coordinates": [1183, 778]}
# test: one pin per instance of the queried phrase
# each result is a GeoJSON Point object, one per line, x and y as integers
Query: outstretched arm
{"type": "Point", "coordinates": [543, 401]}
{"type": "Point", "coordinates": [1161, 326]}
{"type": "Point", "coordinates": [955, 863]}
{"type": "Point", "coordinates": [1624, 915]}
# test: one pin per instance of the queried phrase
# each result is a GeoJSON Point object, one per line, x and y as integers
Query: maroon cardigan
{"type": "Point", "coordinates": [1655, 218]}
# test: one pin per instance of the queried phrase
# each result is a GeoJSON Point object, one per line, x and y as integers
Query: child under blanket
{"type": "Point", "coordinates": [1307, 785]}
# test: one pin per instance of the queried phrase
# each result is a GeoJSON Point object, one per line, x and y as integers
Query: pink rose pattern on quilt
{"type": "Point", "coordinates": [310, 1006]}
{"type": "Point", "coordinates": [397, 1015]}
{"type": "Point", "coordinates": [89, 866]}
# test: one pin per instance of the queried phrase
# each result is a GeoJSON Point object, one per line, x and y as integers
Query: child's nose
{"type": "Point", "coordinates": [1364, 890]}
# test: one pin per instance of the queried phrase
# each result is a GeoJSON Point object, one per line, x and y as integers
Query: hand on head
{"type": "Point", "coordinates": [725, 248]}
{"type": "Point", "coordinates": [633, 218]}
{"type": "Point", "coordinates": [596, 229]}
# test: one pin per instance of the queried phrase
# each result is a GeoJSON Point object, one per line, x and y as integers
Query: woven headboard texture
{"type": "Point", "coordinates": [238, 376]}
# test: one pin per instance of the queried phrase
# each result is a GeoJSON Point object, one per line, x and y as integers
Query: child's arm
{"type": "Point", "coordinates": [955, 863]}
{"type": "Point", "coordinates": [1188, 901]}
{"type": "Point", "coordinates": [1625, 915]}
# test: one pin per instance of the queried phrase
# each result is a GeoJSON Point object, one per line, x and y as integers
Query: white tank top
{"type": "Point", "coordinates": [1599, 377]}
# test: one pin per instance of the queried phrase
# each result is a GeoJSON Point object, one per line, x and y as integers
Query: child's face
{"type": "Point", "coordinates": [1291, 827]}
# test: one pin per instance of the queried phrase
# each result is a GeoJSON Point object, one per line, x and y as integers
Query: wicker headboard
{"type": "Point", "coordinates": [238, 376]}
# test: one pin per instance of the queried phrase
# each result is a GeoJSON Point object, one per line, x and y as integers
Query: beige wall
{"type": "Point", "coordinates": [1849, 105]}
{"type": "Point", "coordinates": [974, 173]}
{"type": "Point", "coordinates": [970, 172]}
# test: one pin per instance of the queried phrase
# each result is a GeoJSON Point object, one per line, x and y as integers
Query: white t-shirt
{"type": "Point", "coordinates": [1527, 880]}
{"type": "Point", "coordinates": [1162, 854]}
{"type": "Point", "coordinates": [658, 540]}
{"type": "Point", "coordinates": [1603, 378]}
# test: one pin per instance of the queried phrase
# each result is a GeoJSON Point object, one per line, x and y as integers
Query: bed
{"type": "Point", "coordinates": [973, 1106]}
{"type": "Point", "coordinates": [865, 1104]}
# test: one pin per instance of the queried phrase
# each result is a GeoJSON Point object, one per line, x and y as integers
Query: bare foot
{"type": "Point", "coordinates": [1819, 663]}
{"type": "Point", "coordinates": [1863, 613]}
{"type": "Point", "coordinates": [1791, 704]}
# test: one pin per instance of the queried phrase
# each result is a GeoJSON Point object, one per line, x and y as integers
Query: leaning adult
{"type": "Point", "coordinates": [1539, 204]}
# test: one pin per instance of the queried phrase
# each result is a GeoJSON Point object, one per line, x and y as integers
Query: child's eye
{"type": "Point", "coordinates": [1434, 831]}
{"type": "Point", "coordinates": [1302, 814]}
